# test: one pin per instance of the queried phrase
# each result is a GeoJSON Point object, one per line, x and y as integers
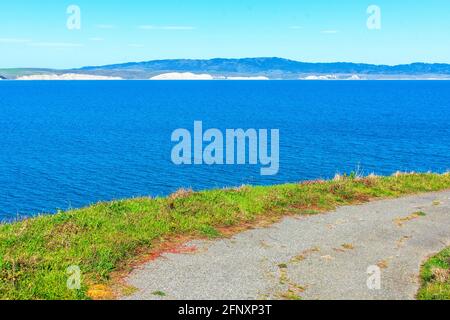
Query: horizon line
{"type": "Point", "coordinates": [241, 58]}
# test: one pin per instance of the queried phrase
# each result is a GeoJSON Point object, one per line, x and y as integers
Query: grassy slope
{"type": "Point", "coordinates": [35, 253]}
{"type": "Point", "coordinates": [436, 277]}
{"type": "Point", "coordinates": [17, 72]}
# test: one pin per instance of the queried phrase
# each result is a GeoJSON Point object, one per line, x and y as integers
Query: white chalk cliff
{"type": "Point", "coordinates": [66, 76]}
{"type": "Point", "coordinates": [182, 76]}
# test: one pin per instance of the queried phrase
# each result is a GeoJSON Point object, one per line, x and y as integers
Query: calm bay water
{"type": "Point", "coordinates": [69, 144]}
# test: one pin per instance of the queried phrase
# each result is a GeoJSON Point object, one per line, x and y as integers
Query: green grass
{"type": "Point", "coordinates": [105, 237]}
{"type": "Point", "coordinates": [13, 73]}
{"type": "Point", "coordinates": [159, 293]}
{"type": "Point", "coordinates": [436, 277]}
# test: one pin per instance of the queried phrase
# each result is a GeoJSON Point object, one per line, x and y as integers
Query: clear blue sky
{"type": "Point", "coordinates": [34, 33]}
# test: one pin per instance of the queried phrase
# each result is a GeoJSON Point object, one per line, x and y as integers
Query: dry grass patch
{"type": "Point", "coordinates": [401, 221]}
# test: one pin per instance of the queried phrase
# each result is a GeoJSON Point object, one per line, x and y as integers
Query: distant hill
{"type": "Point", "coordinates": [13, 73]}
{"type": "Point", "coordinates": [253, 65]}
{"type": "Point", "coordinates": [272, 68]}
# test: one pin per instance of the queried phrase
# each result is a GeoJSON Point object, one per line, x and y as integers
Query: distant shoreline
{"type": "Point", "coordinates": [270, 80]}
{"type": "Point", "coordinates": [224, 80]}
{"type": "Point", "coordinates": [239, 69]}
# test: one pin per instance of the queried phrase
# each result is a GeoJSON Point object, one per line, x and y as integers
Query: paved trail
{"type": "Point", "coordinates": [317, 257]}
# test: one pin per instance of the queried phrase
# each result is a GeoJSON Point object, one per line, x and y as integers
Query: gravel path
{"type": "Point", "coordinates": [318, 257]}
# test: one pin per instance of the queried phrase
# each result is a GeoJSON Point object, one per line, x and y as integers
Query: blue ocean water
{"type": "Point", "coordinates": [69, 144]}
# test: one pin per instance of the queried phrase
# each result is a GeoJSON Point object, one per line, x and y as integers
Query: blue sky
{"type": "Point", "coordinates": [34, 33]}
